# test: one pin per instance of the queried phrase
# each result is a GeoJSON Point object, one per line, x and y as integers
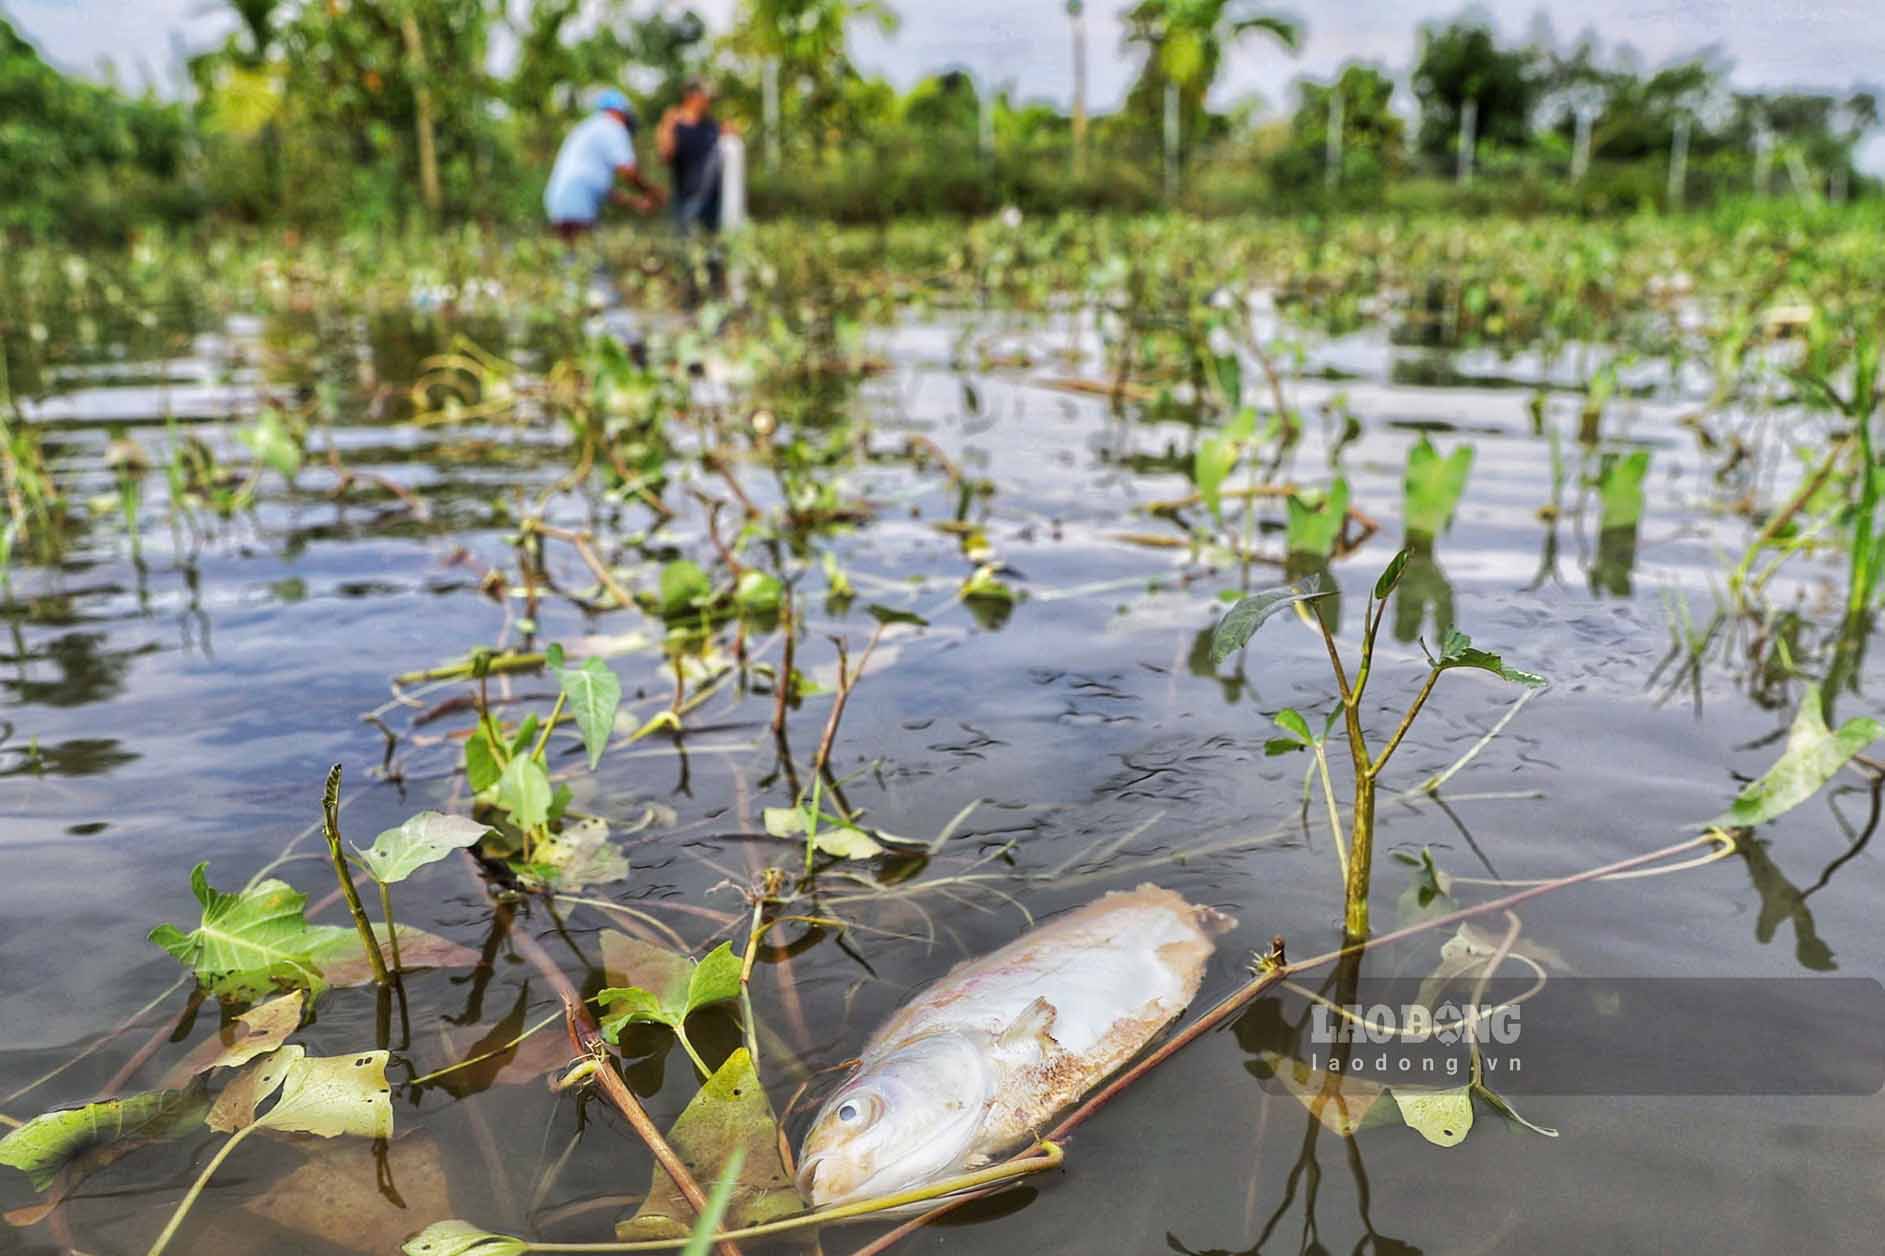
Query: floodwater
{"type": "Point", "coordinates": [183, 701]}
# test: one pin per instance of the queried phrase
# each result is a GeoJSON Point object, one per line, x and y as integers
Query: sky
{"type": "Point", "coordinates": [1824, 44]}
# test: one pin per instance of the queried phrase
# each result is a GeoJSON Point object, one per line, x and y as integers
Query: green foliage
{"type": "Point", "coordinates": [1813, 755]}
{"type": "Point", "coordinates": [461, 1238]}
{"type": "Point", "coordinates": [1620, 488]}
{"type": "Point", "coordinates": [593, 694]}
{"type": "Point", "coordinates": [424, 839]}
{"type": "Point", "coordinates": [249, 942]}
{"type": "Point", "coordinates": [1457, 650]}
{"type": "Point", "coordinates": [1315, 520]}
{"type": "Point", "coordinates": [1432, 487]}
{"type": "Point", "coordinates": [1251, 613]}
{"type": "Point", "coordinates": [47, 1143]}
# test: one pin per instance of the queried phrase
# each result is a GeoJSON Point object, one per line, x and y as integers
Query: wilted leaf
{"type": "Point", "coordinates": [730, 1116]}
{"type": "Point", "coordinates": [580, 856]}
{"type": "Point", "coordinates": [1814, 753]}
{"type": "Point", "coordinates": [424, 839]}
{"type": "Point", "coordinates": [47, 1143]}
{"type": "Point", "coordinates": [1343, 1104]}
{"type": "Point", "coordinates": [593, 694]}
{"type": "Point", "coordinates": [845, 842]}
{"type": "Point", "coordinates": [1443, 1117]}
{"type": "Point", "coordinates": [235, 1107]}
{"type": "Point", "coordinates": [248, 943]}
{"type": "Point", "coordinates": [784, 821]}
{"type": "Point", "coordinates": [258, 1030]}
{"type": "Point", "coordinates": [1457, 650]}
{"type": "Point", "coordinates": [1243, 619]}
{"type": "Point", "coordinates": [335, 1095]}
{"type": "Point", "coordinates": [461, 1238]}
{"type": "Point", "coordinates": [524, 791]}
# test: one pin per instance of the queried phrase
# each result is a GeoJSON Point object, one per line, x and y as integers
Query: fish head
{"type": "Point", "coordinates": [905, 1119]}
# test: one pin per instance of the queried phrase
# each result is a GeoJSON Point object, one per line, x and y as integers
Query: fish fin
{"type": "Point", "coordinates": [1212, 921]}
{"type": "Point", "coordinates": [1033, 1026]}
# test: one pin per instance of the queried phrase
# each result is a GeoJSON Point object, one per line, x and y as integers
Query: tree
{"type": "Point", "coordinates": [1373, 135]}
{"type": "Point", "coordinates": [1462, 61]}
{"type": "Point", "coordinates": [1185, 42]}
{"type": "Point", "coordinates": [808, 43]}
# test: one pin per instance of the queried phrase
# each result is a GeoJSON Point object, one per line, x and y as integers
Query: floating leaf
{"type": "Point", "coordinates": [1814, 753]}
{"type": "Point", "coordinates": [235, 1107]}
{"type": "Point", "coordinates": [1343, 1104]}
{"type": "Point", "coordinates": [1429, 894]}
{"type": "Point", "coordinates": [784, 821]}
{"type": "Point", "coordinates": [684, 585]}
{"type": "Point", "coordinates": [983, 585]}
{"type": "Point", "coordinates": [1433, 486]}
{"type": "Point", "coordinates": [461, 1238]}
{"type": "Point", "coordinates": [593, 694]}
{"type": "Point", "coordinates": [844, 842]}
{"type": "Point", "coordinates": [1507, 1110]}
{"type": "Point", "coordinates": [1243, 619]}
{"type": "Point", "coordinates": [580, 856]}
{"type": "Point", "coordinates": [250, 942]}
{"type": "Point", "coordinates": [891, 615]}
{"type": "Point", "coordinates": [1315, 525]}
{"type": "Point", "coordinates": [343, 960]}
{"type": "Point", "coordinates": [1443, 1117]}
{"type": "Point", "coordinates": [335, 1095]}
{"type": "Point", "coordinates": [47, 1143]}
{"type": "Point", "coordinates": [524, 791]}
{"type": "Point", "coordinates": [729, 1120]}
{"type": "Point", "coordinates": [255, 1032]}
{"type": "Point", "coordinates": [1457, 650]}
{"type": "Point", "coordinates": [424, 839]}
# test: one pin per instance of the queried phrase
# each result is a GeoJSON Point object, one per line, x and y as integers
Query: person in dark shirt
{"type": "Point", "coordinates": [689, 141]}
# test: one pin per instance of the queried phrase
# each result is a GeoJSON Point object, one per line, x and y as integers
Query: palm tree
{"type": "Point", "coordinates": [1185, 42]}
{"type": "Point", "coordinates": [1076, 17]}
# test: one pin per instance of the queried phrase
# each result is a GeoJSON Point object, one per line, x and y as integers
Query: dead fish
{"type": "Point", "coordinates": [986, 1057]}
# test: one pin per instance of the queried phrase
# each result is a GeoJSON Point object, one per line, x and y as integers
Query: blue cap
{"type": "Point", "coordinates": [612, 99]}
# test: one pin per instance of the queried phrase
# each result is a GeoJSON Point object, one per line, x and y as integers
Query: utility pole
{"type": "Point", "coordinates": [1469, 127]}
{"type": "Point", "coordinates": [1334, 154]}
{"type": "Point", "coordinates": [1679, 162]}
{"type": "Point", "coordinates": [1171, 142]}
{"type": "Point", "coordinates": [1076, 15]}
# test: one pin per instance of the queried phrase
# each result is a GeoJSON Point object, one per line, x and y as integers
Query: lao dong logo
{"type": "Point", "coordinates": [1423, 1034]}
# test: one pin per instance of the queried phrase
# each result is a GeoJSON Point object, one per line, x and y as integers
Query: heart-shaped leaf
{"type": "Point", "coordinates": [650, 983]}
{"type": "Point", "coordinates": [250, 942]}
{"type": "Point", "coordinates": [580, 856]}
{"type": "Point", "coordinates": [255, 1032]}
{"type": "Point", "coordinates": [593, 693]}
{"type": "Point", "coordinates": [424, 839]}
{"type": "Point", "coordinates": [1813, 754]}
{"type": "Point", "coordinates": [325, 1095]}
{"type": "Point", "coordinates": [524, 791]}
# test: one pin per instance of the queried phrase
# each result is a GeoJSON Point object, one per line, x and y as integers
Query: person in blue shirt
{"type": "Point", "coordinates": [598, 151]}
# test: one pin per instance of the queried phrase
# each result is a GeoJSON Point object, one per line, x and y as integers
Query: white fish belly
{"type": "Point", "coordinates": [1134, 956]}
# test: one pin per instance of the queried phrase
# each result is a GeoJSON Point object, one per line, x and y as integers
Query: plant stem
{"type": "Point", "coordinates": [1360, 861]}
{"type": "Point", "coordinates": [1407, 721]}
{"type": "Point", "coordinates": [543, 738]}
{"type": "Point", "coordinates": [196, 1188]}
{"type": "Point", "coordinates": [1335, 817]}
{"type": "Point", "coordinates": [392, 930]}
{"type": "Point", "coordinates": [330, 827]}
{"type": "Point", "coordinates": [680, 1032]}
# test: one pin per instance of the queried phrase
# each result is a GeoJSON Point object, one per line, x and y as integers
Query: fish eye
{"type": "Point", "coordinates": [848, 1113]}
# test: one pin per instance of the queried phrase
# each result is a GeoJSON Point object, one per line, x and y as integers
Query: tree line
{"type": "Point", "coordinates": [331, 112]}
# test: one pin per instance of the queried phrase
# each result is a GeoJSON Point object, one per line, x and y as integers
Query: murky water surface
{"type": "Point", "coordinates": [182, 701]}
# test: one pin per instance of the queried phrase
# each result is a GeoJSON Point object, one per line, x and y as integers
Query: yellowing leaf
{"type": "Point", "coordinates": [1443, 1117]}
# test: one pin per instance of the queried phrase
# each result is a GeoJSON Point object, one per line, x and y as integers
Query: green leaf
{"type": "Point", "coordinates": [726, 1131]}
{"type": "Point", "coordinates": [580, 856]}
{"type": "Point", "coordinates": [335, 1095]}
{"type": "Point", "coordinates": [1620, 488]}
{"type": "Point", "coordinates": [784, 821]}
{"type": "Point", "coordinates": [684, 584]}
{"type": "Point", "coordinates": [1443, 1117]}
{"type": "Point", "coordinates": [1457, 650]}
{"type": "Point", "coordinates": [1290, 720]}
{"type": "Point", "coordinates": [1433, 486]}
{"type": "Point", "coordinates": [648, 983]}
{"type": "Point", "coordinates": [524, 791]}
{"type": "Point", "coordinates": [1282, 745]}
{"type": "Point", "coordinates": [250, 942]}
{"type": "Point", "coordinates": [461, 1238]}
{"type": "Point", "coordinates": [891, 615]}
{"type": "Point", "coordinates": [424, 839]}
{"type": "Point", "coordinates": [984, 585]}
{"type": "Point", "coordinates": [1315, 525]}
{"type": "Point", "coordinates": [592, 694]}
{"type": "Point", "coordinates": [47, 1143]}
{"type": "Point", "coordinates": [1243, 619]}
{"type": "Point", "coordinates": [1391, 576]}
{"type": "Point", "coordinates": [701, 1239]}
{"type": "Point", "coordinates": [481, 767]}
{"type": "Point", "coordinates": [1813, 754]}
{"type": "Point", "coordinates": [758, 592]}
{"type": "Point", "coordinates": [1429, 893]}
{"type": "Point", "coordinates": [273, 442]}
{"type": "Point", "coordinates": [1213, 461]}
{"type": "Point", "coordinates": [525, 734]}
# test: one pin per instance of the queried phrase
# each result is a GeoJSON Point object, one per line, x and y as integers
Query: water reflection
{"type": "Point", "coordinates": [1424, 592]}
{"type": "Point", "coordinates": [1301, 566]}
{"type": "Point", "coordinates": [88, 671]}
